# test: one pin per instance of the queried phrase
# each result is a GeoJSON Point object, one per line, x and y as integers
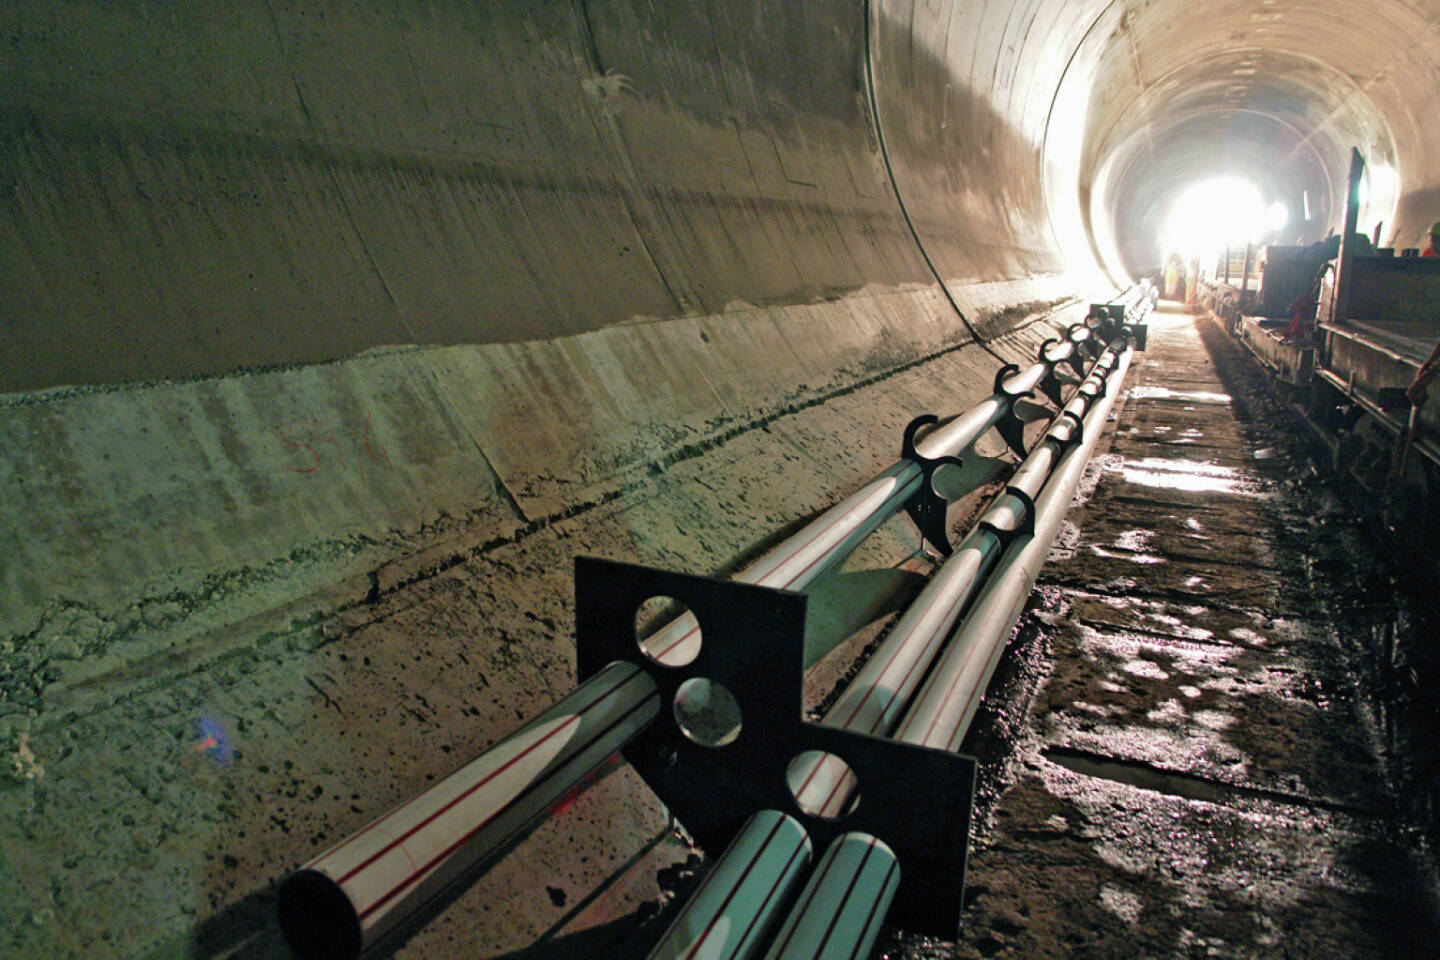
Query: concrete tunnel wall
{"type": "Point", "coordinates": [192, 195]}
{"type": "Point", "coordinates": [210, 218]}
{"type": "Point", "coordinates": [333, 332]}
{"type": "Point", "coordinates": [190, 192]}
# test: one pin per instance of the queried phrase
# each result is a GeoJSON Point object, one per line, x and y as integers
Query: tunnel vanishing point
{"type": "Point", "coordinates": [334, 332]}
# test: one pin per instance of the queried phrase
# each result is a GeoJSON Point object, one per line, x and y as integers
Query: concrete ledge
{"type": "Point", "coordinates": [142, 518]}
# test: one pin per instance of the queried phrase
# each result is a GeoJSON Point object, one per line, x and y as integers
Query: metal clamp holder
{"type": "Point", "coordinates": [1010, 426]}
{"type": "Point", "coordinates": [1111, 316]}
{"type": "Point", "coordinates": [1090, 346]}
{"type": "Point", "coordinates": [1084, 346]}
{"type": "Point", "coordinates": [928, 509]}
{"type": "Point", "coordinates": [1026, 525]}
{"type": "Point", "coordinates": [1139, 334]}
{"type": "Point", "coordinates": [918, 800]}
{"type": "Point", "coordinates": [1078, 433]}
{"type": "Point", "coordinates": [1051, 385]}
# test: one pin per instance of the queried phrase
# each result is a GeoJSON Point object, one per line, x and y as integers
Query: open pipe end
{"type": "Point", "coordinates": [317, 918]}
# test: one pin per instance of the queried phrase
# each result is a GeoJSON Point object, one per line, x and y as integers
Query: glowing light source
{"type": "Point", "coordinates": [1379, 190]}
{"type": "Point", "coordinates": [1276, 217]}
{"type": "Point", "coordinates": [1213, 214]}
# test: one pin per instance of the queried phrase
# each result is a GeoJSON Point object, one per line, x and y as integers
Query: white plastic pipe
{"type": "Point", "coordinates": [350, 896]}
{"type": "Point", "coordinates": [337, 906]}
{"type": "Point", "coordinates": [874, 701]}
{"type": "Point", "coordinates": [946, 705]}
{"type": "Point", "coordinates": [842, 894]}
{"type": "Point", "coordinates": [840, 911]}
{"type": "Point", "coordinates": [802, 558]}
{"type": "Point", "coordinates": [1031, 475]}
{"type": "Point", "coordinates": [743, 896]}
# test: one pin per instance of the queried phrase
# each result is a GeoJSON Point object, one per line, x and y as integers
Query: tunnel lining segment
{"type": "Point", "coordinates": [879, 126]}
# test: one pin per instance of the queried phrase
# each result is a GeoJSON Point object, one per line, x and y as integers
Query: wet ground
{"type": "Point", "coordinates": [1211, 737]}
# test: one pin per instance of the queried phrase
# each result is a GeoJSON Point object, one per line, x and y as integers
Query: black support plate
{"type": "Point", "coordinates": [917, 800]}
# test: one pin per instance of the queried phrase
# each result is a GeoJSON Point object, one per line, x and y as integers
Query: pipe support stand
{"type": "Point", "coordinates": [915, 799]}
{"type": "Point", "coordinates": [926, 508]}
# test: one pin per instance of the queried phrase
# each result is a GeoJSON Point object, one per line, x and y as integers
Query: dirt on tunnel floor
{"type": "Point", "coordinates": [1181, 759]}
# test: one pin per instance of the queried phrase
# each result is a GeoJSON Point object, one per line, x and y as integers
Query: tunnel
{"type": "Point", "coordinates": [335, 332]}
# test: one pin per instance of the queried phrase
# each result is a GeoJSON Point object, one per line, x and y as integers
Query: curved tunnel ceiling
{"type": "Point", "coordinates": [183, 195]}
{"type": "Point", "coordinates": [1277, 91]}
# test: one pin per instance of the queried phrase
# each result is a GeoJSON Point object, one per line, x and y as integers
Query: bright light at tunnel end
{"type": "Point", "coordinates": [1277, 215]}
{"type": "Point", "coordinates": [1212, 214]}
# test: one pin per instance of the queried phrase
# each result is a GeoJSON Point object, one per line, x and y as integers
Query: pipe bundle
{"type": "Point", "coordinates": [922, 686]}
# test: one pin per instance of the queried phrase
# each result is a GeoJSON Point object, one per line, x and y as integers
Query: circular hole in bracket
{"type": "Point", "coordinates": [823, 785]}
{"type": "Point", "coordinates": [667, 632]}
{"type": "Point", "coordinates": [950, 481]}
{"type": "Point", "coordinates": [707, 712]}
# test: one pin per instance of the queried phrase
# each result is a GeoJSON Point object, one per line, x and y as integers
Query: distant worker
{"type": "Point", "coordinates": [1302, 315]}
{"type": "Point", "coordinates": [1431, 250]}
{"type": "Point", "coordinates": [1174, 278]}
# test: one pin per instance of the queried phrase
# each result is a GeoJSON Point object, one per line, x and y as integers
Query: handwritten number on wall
{"type": "Point", "coordinates": [309, 437]}
{"type": "Point", "coordinates": [288, 443]}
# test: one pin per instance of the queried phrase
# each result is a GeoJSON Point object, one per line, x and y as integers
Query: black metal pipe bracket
{"type": "Point", "coordinates": [917, 800]}
{"type": "Point", "coordinates": [1078, 433]}
{"type": "Point", "coordinates": [1051, 385]}
{"type": "Point", "coordinates": [928, 509]}
{"type": "Point", "coordinates": [1085, 347]}
{"type": "Point", "coordinates": [1024, 528]}
{"type": "Point", "coordinates": [1111, 317]}
{"type": "Point", "coordinates": [1010, 427]}
{"type": "Point", "coordinates": [1102, 387]}
{"type": "Point", "coordinates": [1139, 334]}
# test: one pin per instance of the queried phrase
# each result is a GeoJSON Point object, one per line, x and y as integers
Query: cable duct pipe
{"type": "Point", "coordinates": [804, 557]}
{"type": "Point", "coordinates": [854, 891]}
{"type": "Point", "coordinates": [742, 897]}
{"type": "Point", "coordinates": [823, 784]}
{"type": "Point", "coordinates": [945, 707]}
{"type": "Point", "coordinates": [874, 701]}
{"type": "Point", "coordinates": [840, 911]}
{"type": "Point", "coordinates": [848, 893]}
{"type": "Point", "coordinates": [352, 895]}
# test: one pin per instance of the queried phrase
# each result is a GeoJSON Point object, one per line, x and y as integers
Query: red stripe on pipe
{"type": "Point", "coordinates": [845, 724]}
{"type": "Point", "coordinates": [573, 719]}
{"type": "Point", "coordinates": [754, 859]}
{"type": "Point", "coordinates": [798, 912]}
{"type": "Point", "coordinates": [416, 799]}
{"type": "Point", "coordinates": [774, 889]}
{"type": "Point", "coordinates": [854, 878]}
{"type": "Point", "coordinates": [999, 649]}
{"type": "Point", "coordinates": [854, 954]}
{"type": "Point", "coordinates": [948, 694]}
{"type": "Point", "coordinates": [430, 864]}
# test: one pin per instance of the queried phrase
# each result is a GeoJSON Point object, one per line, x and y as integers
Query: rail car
{"type": "Point", "coordinates": [1342, 339]}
